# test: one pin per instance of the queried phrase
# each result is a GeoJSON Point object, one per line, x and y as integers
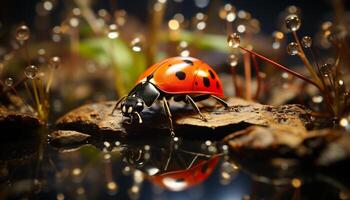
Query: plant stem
{"type": "Point", "coordinates": [36, 95]}
{"type": "Point", "coordinates": [247, 74]}
{"type": "Point", "coordinates": [307, 63]}
{"type": "Point", "coordinates": [154, 27]}
{"type": "Point", "coordinates": [258, 78]}
{"type": "Point", "coordinates": [281, 67]}
{"type": "Point", "coordinates": [89, 16]}
{"type": "Point", "coordinates": [25, 46]}
{"type": "Point", "coordinates": [49, 82]}
{"type": "Point", "coordinates": [326, 93]}
{"type": "Point", "coordinates": [119, 81]}
{"type": "Point", "coordinates": [237, 89]}
{"type": "Point", "coordinates": [29, 93]}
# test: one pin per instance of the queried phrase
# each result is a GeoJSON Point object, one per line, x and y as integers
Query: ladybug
{"type": "Point", "coordinates": [181, 78]}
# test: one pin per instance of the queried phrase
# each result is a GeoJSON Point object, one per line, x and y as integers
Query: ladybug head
{"type": "Point", "coordinates": [144, 94]}
{"type": "Point", "coordinates": [132, 106]}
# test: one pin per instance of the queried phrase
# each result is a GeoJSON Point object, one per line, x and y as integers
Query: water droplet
{"type": "Point", "coordinates": [136, 44]}
{"type": "Point", "coordinates": [233, 40]}
{"type": "Point", "coordinates": [80, 191]}
{"type": "Point", "coordinates": [344, 122]}
{"type": "Point", "coordinates": [106, 144]}
{"type": "Point", "coordinates": [208, 142]}
{"type": "Point", "coordinates": [182, 49]}
{"type": "Point", "coordinates": [48, 5]}
{"type": "Point", "coordinates": [199, 21]}
{"type": "Point", "coordinates": [112, 187]}
{"type": "Point", "coordinates": [228, 13]}
{"type": "Point", "coordinates": [306, 41]}
{"type": "Point", "coordinates": [336, 33]}
{"type": "Point", "coordinates": [293, 48]}
{"type": "Point", "coordinates": [157, 7]}
{"type": "Point", "coordinates": [31, 71]}
{"type": "Point", "coordinates": [255, 25]}
{"type": "Point", "coordinates": [103, 13]}
{"type": "Point", "coordinates": [9, 82]}
{"type": "Point", "coordinates": [244, 15]}
{"type": "Point", "coordinates": [60, 196]}
{"type": "Point", "coordinates": [326, 69]}
{"type": "Point", "coordinates": [173, 24]}
{"type": "Point", "coordinates": [74, 22]}
{"type": "Point", "coordinates": [41, 52]}
{"type": "Point", "coordinates": [233, 60]}
{"type": "Point", "coordinates": [241, 28]}
{"type": "Point", "coordinates": [22, 33]}
{"type": "Point", "coordinates": [107, 156]}
{"type": "Point", "coordinates": [134, 192]}
{"type": "Point", "coordinates": [231, 16]}
{"type": "Point", "coordinates": [293, 22]}
{"type": "Point", "coordinates": [326, 25]}
{"type": "Point", "coordinates": [126, 170]}
{"type": "Point", "coordinates": [276, 45]}
{"type": "Point", "coordinates": [292, 9]}
{"type": "Point", "coordinates": [201, 3]}
{"type": "Point", "coordinates": [120, 17]}
{"type": "Point", "coordinates": [76, 171]}
{"type": "Point", "coordinates": [179, 17]}
{"type": "Point", "coordinates": [228, 171]}
{"type": "Point", "coordinates": [278, 35]}
{"type": "Point", "coordinates": [113, 31]}
{"type": "Point", "coordinates": [55, 62]}
{"type": "Point", "coordinates": [76, 11]}
{"type": "Point", "coordinates": [341, 82]}
{"type": "Point", "coordinates": [317, 99]}
{"type": "Point", "coordinates": [147, 147]}
{"type": "Point", "coordinates": [296, 183]}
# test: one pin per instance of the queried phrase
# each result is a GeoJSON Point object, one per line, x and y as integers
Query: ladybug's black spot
{"type": "Point", "coordinates": [204, 168]}
{"type": "Point", "coordinates": [188, 62]}
{"type": "Point", "coordinates": [212, 74]}
{"type": "Point", "coordinates": [206, 81]}
{"type": "Point", "coordinates": [217, 84]}
{"type": "Point", "coordinates": [180, 75]}
{"type": "Point", "coordinates": [196, 83]}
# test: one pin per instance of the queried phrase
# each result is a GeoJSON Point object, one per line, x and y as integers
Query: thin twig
{"type": "Point", "coordinates": [281, 67]}
{"type": "Point", "coordinates": [258, 78]}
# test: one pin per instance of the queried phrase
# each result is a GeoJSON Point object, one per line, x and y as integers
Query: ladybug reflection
{"type": "Point", "coordinates": [181, 78]}
{"type": "Point", "coordinates": [173, 174]}
{"type": "Point", "coordinates": [184, 179]}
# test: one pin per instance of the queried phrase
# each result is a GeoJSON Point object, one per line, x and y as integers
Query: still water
{"type": "Point", "coordinates": [149, 168]}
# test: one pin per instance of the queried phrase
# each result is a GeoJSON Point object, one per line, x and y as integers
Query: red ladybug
{"type": "Point", "coordinates": [181, 78]}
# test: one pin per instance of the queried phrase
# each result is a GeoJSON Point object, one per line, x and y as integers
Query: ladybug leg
{"type": "Point", "coordinates": [221, 101]}
{"type": "Point", "coordinates": [117, 104]}
{"type": "Point", "coordinates": [193, 104]}
{"type": "Point", "coordinates": [168, 113]}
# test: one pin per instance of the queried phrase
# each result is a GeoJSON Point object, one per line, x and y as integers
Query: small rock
{"type": "Point", "coordinates": [23, 124]}
{"type": "Point", "coordinates": [62, 137]}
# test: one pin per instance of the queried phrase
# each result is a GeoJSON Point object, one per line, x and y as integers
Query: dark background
{"type": "Point", "coordinates": [313, 12]}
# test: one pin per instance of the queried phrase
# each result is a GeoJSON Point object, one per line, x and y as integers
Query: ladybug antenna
{"type": "Point", "coordinates": [149, 77]}
{"type": "Point", "coordinates": [139, 116]}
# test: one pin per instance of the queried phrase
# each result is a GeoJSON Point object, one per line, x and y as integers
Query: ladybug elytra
{"type": "Point", "coordinates": [181, 78]}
